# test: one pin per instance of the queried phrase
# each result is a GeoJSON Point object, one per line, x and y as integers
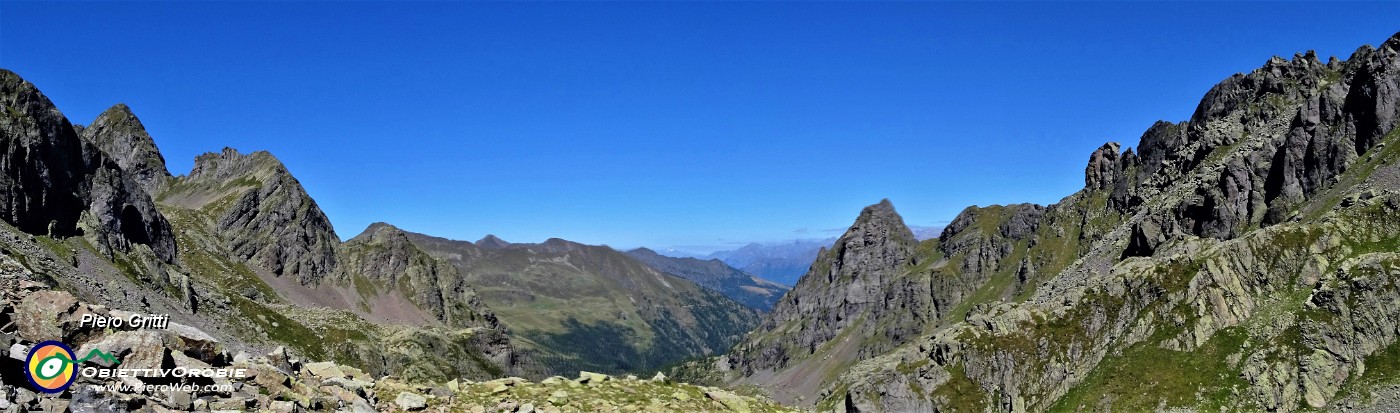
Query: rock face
{"type": "Point", "coordinates": [58, 185]}
{"type": "Point", "coordinates": [1239, 261]}
{"type": "Point", "coordinates": [846, 282]}
{"type": "Point", "coordinates": [119, 134]}
{"type": "Point", "coordinates": [262, 211]}
{"type": "Point", "coordinates": [384, 256]}
{"type": "Point", "coordinates": [715, 275]}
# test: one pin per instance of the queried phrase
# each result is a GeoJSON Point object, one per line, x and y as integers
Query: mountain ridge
{"type": "Point", "coordinates": [1240, 225]}
{"type": "Point", "coordinates": [714, 274]}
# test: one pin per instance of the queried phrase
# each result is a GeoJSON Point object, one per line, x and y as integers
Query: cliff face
{"type": "Point", "coordinates": [262, 212]}
{"type": "Point", "coordinates": [1240, 260]}
{"type": "Point", "coordinates": [55, 183]}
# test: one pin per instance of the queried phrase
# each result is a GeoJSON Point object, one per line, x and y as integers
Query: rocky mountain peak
{"type": "Point", "coordinates": [263, 211]}
{"type": "Point", "coordinates": [229, 163]}
{"type": "Point", "coordinates": [491, 242]}
{"type": "Point", "coordinates": [378, 230]}
{"type": "Point", "coordinates": [119, 134]}
{"type": "Point", "coordinates": [879, 235]}
{"type": "Point", "coordinates": [844, 288]}
{"type": "Point", "coordinates": [54, 183]}
{"type": "Point", "coordinates": [386, 256]}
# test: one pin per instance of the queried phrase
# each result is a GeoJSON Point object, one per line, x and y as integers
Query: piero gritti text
{"type": "Point", "coordinates": [131, 322]}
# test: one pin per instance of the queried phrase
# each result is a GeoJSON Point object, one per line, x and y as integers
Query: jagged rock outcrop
{"type": "Point", "coordinates": [847, 285]}
{"type": "Point", "coordinates": [1268, 141]}
{"type": "Point", "coordinates": [715, 275]}
{"type": "Point", "coordinates": [1103, 167]}
{"type": "Point", "coordinates": [56, 184]}
{"type": "Point", "coordinates": [119, 134]}
{"type": "Point", "coordinates": [384, 257]}
{"type": "Point", "coordinates": [262, 211]}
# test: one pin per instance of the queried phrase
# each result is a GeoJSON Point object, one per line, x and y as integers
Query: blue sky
{"type": "Point", "coordinates": [659, 124]}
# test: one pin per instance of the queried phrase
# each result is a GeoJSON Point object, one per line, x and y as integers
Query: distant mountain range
{"type": "Point", "coordinates": [755, 292]}
{"type": "Point", "coordinates": [782, 262]}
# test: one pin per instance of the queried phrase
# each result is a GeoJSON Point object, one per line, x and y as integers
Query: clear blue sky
{"type": "Point", "coordinates": [659, 124]}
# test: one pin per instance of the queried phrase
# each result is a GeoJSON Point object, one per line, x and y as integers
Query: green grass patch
{"type": "Point", "coordinates": [961, 393]}
{"type": "Point", "coordinates": [1144, 376]}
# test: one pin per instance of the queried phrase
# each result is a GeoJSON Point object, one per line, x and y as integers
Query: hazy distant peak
{"type": "Point", "coordinates": [491, 242]}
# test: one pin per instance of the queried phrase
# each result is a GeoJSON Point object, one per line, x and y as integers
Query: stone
{"type": "Point", "coordinates": [43, 315]}
{"type": "Point", "coordinates": [559, 398]}
{"type": "Point", "coordinates": [19, 352]}
{"type": "Point", "coordinates": [326, 370]}
{"type": "Point", "coordinates": [585, 377]}
{"type": "Point", "coordinates": [93, 399]}
{"type": "Point", "coordinates": [282, 406]}
{"type": "Point", "coordinates": [730, 401]}
{"type": "Point", "coordinates": [136, 349]}
{"type": "Point", "coordinates": [411, 402]}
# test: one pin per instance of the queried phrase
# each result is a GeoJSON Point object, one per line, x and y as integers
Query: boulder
{"type": "Point", "coordinates": [411, 402]}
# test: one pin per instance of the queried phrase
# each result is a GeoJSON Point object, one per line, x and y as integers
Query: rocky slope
{"type": "Point", "coordinates": [383, 258]}
{"type": "Point", "coordinates": [1241, 260]}
{"type": "Point", "coordinates": [751, 291]}
{"type": "Point", "coordinates": [584, 307]}
{"type": "Point", "coordinates": [279, 381]}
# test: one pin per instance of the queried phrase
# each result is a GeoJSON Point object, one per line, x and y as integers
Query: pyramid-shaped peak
{"type": "Point", "coordinates": [491, 241]}
{"type": "Point", "coordinates": [118, 133]}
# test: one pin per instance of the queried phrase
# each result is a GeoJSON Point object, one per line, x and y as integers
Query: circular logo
{"type": "Point", "coordinates": [50, 366]}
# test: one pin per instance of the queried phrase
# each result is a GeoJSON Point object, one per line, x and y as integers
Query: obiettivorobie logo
{"type": "Point", "coordinates": [52, 367]}
{"type": "Point", "coordinates": [51, 364]}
